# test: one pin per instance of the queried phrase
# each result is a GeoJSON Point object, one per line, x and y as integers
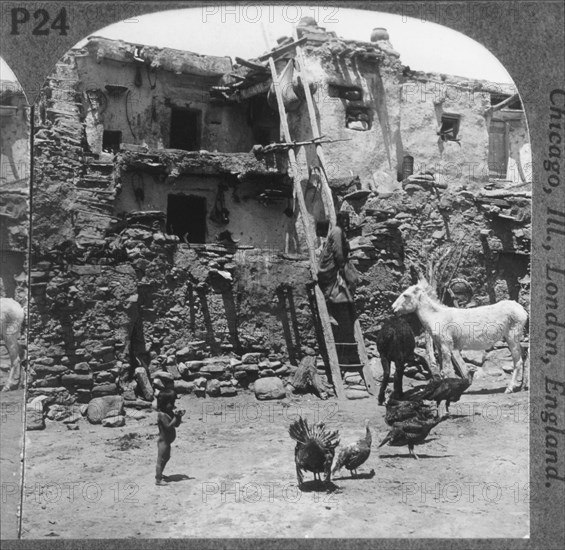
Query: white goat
{"type": "Point", "coordinates": [11, 321]}
{"type": "Point", "coordinates": [479, 328]}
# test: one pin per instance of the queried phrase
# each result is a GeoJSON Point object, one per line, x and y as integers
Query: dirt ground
{"type": "Point", "coordinates": [232, 474]}
{"type": "Point", "coordinates": [11, 444]}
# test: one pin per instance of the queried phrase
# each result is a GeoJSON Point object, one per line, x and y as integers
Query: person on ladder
{"type": "Point", "coordinates": [337, 276]}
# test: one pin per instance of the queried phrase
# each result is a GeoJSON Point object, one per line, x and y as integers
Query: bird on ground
{"type": "Point", "coordinates": [399, 411]}
{"type": "Point", "coordinates": [449, 390]}
{"type": "Point", "coordinates": [354, 454]}
{"type": "Point", "coordinates": [410, 432]}
{"type": "Point", "coordinates": [315, 449]}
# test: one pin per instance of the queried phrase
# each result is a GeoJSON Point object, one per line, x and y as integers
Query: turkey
{"type": "Point", "coordinates": [410, 432]}
{"type": "Point", "coordinates": [315, 449]}
{"type": "Point", "coordinates": [449, 390]}
{"type": "Point", "coordinates": [399, 411]}
{"type": "Point", "coordinates": [353, 455]}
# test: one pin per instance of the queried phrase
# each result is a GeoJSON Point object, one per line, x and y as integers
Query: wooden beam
{"type": "Point", "coordinates": [320, 299]}
{"type": "Point", "coordinates": [251, 64]}
{"type": "Point", "coordinates": [254, 90]}
{"type": "Point", "coordinates": [502, 104]}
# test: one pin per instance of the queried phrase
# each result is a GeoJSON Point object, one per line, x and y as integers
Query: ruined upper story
{"type": "Point", "coordinates": [384, 119]}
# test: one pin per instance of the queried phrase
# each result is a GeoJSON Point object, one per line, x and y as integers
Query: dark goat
{"type": "Point", "coordinates": [396, 343]}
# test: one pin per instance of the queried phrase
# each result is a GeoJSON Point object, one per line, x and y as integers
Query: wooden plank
{"type": "Point", "coordinates": [251, 64]}
{"type": "Point", "coordinates": [283, 49]}
{"type": "Point", "coordinates": [254, 90]}
{"type": "Point", "coordinates": [320, 299]}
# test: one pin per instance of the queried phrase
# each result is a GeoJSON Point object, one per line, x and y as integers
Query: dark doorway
{"type": "Point", "coordinates": [497, 149]}
{"type": "Point", "coordinates": [185, 129]}
{"type": "Point", "coordinates": [111, 140]}
{"type": "Point", "coordinates": [186, 218]}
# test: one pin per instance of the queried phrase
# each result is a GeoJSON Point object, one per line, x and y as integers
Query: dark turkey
{"type": "Point", "coordinates": [449, 390]}
{"type": "Point", "coordinates": [353, 455]}
{"type": "Point", "coordinates": [410, 432]}
{"type": "Point", "coordinates": [315, 449]}
{"type": "Point", "coordinates": [399, 411]}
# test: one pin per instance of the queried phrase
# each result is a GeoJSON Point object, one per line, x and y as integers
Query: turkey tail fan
{"type": "Point", "coordinates": [328, 439]}
{"type": "Point", "coordinates": [300, 431]}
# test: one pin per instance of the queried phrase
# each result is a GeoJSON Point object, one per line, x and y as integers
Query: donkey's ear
{"type": "Point", "coordinates": [423, 283]}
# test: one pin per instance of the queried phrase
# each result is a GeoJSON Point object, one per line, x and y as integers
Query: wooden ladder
{"type": "Point", "coordinates": [321, 305]}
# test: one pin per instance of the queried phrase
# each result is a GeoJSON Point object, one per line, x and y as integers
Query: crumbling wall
{"type": "Point", "coordinates": [136, 98]}
{"type": "Point", "coordinates": [147, 301]}
{"type": "Point", "coordinates": [368, 146]}
{"type": "Point", "coordinates": [251, 218]}
{"type": "Point", "coordinates": [424, 99]}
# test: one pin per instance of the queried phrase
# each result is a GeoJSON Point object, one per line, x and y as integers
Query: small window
{"type": "Point", "coordinates": [185, 129]}
{"type": "Point", "coordinates": [111, 141]}
{"type": "Point", "coordinates": [449, 127]}
{"type": "Point", "coordinates": [186, 218]}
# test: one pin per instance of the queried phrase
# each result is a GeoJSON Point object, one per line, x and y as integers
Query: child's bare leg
{"type": "Point", "coordinates": [163, 456]}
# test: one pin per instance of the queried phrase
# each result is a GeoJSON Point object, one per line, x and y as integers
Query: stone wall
{"type": "Point", "coordinates": [146, 301]}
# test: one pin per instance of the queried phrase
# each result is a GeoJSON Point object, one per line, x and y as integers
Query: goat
{"type": "Point", "coordinates": [11, 321]}
{"type": "Point", "coordinates": [478, 328]}
{"type": "Point", "coordinates": [396, 343]}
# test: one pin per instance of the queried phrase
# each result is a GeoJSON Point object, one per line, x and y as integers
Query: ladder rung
{"type": "Point", "coordinates": [352, 366]}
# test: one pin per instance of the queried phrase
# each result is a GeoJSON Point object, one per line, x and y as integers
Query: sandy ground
{"type": "Point", "coordinates": [232, 474]}
{"type": "Point", "coordinates": [11, 443]}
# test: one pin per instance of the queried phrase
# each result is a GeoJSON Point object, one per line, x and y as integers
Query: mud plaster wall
{"type": "Point", "coordinates": [422, 104]}
{"type": "Point", "coordinates": [143, 112]}
{"type": "Point", "coordinates": [370, 154]}
{"type": "Point", "coordinates": [251, 222]}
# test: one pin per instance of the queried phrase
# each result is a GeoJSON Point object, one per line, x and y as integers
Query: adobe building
{"type": "Point", "coordinates": [167, 234]}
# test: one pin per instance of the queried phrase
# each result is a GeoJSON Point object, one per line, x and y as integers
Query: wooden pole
{"type": "Point", "coordinates": [320, 299]}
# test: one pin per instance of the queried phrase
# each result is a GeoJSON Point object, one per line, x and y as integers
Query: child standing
{"type": "Point", "coordinates": [167, 420]}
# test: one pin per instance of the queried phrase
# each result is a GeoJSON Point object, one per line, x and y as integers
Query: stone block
{"type": "Point", "coordinates": [269, 388]}
{"type": "Point", "coordinates": [100, 408]}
